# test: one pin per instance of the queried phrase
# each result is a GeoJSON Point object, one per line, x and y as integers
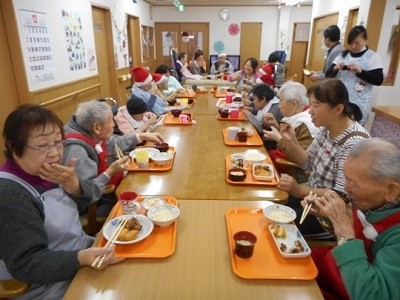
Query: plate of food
{"type": "Point", "coordinates": [152, 151]}
{"type": "Point", "coordinates": [289, 241]}
{"type": "Point", "coordinates": [263, 171]}
{"type": "Point", "coordinates": [137, 228]}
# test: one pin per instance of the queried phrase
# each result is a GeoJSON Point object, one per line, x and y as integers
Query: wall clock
{"type": "Point", "coordinates": [224, 14]}
{"type": "Point", "coordinates": [233, 29]}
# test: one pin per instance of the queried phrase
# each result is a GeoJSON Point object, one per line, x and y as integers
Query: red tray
{"type": "Point", "coordinates": [253, 140]}
{"type": "Point", "coordinates": [160, 243]}
{"type": "Point", "coordinates": [250, 180]}
{"type": "Point", "coordinates": [266, 262]}
{"type": "Point", "coordinates": [133, 167]}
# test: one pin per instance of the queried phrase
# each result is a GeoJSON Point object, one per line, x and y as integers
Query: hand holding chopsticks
{"type": "Point", "coordinates": [100, 259]}
{"type": "Point", "coordinates": [306, 209]}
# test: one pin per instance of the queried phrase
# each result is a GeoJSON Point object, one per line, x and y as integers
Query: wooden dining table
{"type": "Point", "coordinates": [200, 265]}
{"type": "Point", "coordinates": [199, 168]}
{"type": "Point", "coordinates": [199, 268]}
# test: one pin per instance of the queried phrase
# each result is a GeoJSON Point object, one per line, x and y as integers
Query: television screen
{"type": "Point", "coordinates": [233, 59]}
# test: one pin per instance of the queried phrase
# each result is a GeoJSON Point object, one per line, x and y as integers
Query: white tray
{"type": "Point", "coordinates": [292, 234]}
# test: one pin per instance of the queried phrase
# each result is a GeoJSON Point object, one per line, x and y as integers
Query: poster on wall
{"type": "Point", "coordinates": [37, 43]}
{"type": "Point", "coordinates": [74, 40]}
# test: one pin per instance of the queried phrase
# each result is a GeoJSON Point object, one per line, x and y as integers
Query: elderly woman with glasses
{"type": "Point", "coordinates": [90, 140]}
{"type": "Point", "coordinates": [293, 104]}
{"type": "Point", "coordinates": [41, 239]}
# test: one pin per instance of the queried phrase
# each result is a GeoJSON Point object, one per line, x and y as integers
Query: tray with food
{"type": "Point", "coordinates": [225, 115]}
{"type": "Point", "coordinates": [289, 241]}
{"type": "Point", "coordinates": [253, 140]}
{"type": "Point", "coordinates": [170, 119]}
{"type": "Point", "coordinates": [245, 176]}
{"type": "Point", "coordinates": [201, 90]}
{"type": "Point", "coordinates": [158, 161]}
{"type": "Point", "coordinates": [149, 242]}
{"type": "Point", "coordinates": [221, 92]}
{"type": "Point", "coordinates": [221, 104]}
{"type": "Point", "coordinates": [266, 262]}
{"type": "Point", "coordinates": [186, 94]}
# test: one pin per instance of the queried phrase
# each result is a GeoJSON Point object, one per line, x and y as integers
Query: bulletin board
{"type": "Point", "coordinates": [57, 41]}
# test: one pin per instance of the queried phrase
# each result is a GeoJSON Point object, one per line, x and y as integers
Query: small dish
{"type": "Point", "coordinates": [279, 214]}
{"type": "Point", "coordinates": [150, 202]}
{"type": "Point", "coordinates": [292, 245]}
{"type": "Point", "coordinates": [163, 215]}
{"type": "Point", "coordinates": [237, 174]}
{"type": "Point", "coordinates": [255, 156]}
{"type": "Point", "coordinates": [152, 152]}
{"type": "Point", "coordinates": [162, 159]}
{"type": "Point", "coordinates": [163, 147]}
{"type": "Point", "coordinates": [176, 112]}
{"type": "Point", "coordinates": [263, 171]}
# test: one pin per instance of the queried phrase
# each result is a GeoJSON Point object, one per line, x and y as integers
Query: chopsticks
{"type": "Point", "coordinates": [120, 154]}
{"type": "Point", "coordinates": [306, 209]}
{"type": "Point", "coordinates": [100, 259]}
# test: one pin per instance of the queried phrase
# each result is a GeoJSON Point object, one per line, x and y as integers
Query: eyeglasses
{"type": "Point", "coordinates": [46, 148]}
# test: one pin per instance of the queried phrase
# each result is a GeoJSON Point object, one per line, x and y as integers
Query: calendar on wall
{"type": "Point", "coordinates": [37, 44]}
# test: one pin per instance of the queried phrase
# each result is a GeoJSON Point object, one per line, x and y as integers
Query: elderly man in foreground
{"type": "Point", "coordinates": [365, 263]}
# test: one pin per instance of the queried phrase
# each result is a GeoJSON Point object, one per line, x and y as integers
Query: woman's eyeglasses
{"type": "Point", "coordinates": [46, 148]}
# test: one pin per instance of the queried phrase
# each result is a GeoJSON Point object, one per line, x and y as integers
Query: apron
{"type": "Point", "coordinates": [329, 279]}
{"type": "Point", "coordinates": [63, 229]}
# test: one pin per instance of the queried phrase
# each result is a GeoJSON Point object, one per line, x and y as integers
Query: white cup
{"type": "Point", "coordinates": [232, 133]}
{"type": "Point", "coordinates": [238, 160]}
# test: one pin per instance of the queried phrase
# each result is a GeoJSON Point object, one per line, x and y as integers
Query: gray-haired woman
{"type": "Point", "coordinates": [293, 104]}
{"type": "Point", "coordinates": [89, 139]}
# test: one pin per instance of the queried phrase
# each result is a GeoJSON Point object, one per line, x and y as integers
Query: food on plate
{"type": "Point", "coordinates": [151, 202]}
{"type": "Point", "coordinates": [163, 215]}
{"type": "Point", "coordinates": [279, 231]}
{"type": "Point", "coordinates": [280, 216]}
{"type": "Point", "coordinates": [237, 173]}
{"type": "Point", "coordinates": [297, 248]}
{"type": "Point", "coordinates": [130, 231]}
{"type": "Point", "coordinates": [262, 170]}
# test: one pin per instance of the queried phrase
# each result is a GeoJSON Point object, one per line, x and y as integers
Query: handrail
{"type": "Point", "coordinates": [70, 94]}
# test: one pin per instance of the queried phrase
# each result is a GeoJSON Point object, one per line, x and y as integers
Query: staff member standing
{"type": "Point", "coordinates": [332, 41]}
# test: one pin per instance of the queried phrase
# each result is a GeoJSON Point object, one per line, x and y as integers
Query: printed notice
{"type": "Point", "coordinates": [37, 45]}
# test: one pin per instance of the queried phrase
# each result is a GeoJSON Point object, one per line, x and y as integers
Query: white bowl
{"type": "Point", "coordinates": [255, 156]}
{"type": "Point", "coordinates": [150, 202]}
{"type": "Point", "coordinates": [279, 214]}
{"type": "Point", "coordinates": [152, 152]}
{"type": "Point", "coordinates": [263, 171]}
{"type": "Point", "coordinates": [162, 159]}
{"type": "Point", "coordinates": [163, 215]}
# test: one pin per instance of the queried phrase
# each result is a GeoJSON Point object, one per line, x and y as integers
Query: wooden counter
{"type": "Point", "coordinates": [200, 267]}
{"type": "Point", "coordinates": [391, 113]}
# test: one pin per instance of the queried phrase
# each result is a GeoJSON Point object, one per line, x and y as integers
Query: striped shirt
{"type": "Point", "coordinates": [326, 158]}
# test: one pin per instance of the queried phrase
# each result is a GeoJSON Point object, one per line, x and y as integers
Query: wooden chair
{"type": "Point", "coordinates": [91, 223]}
{"type": "Point", "coordinates": [12, 287]}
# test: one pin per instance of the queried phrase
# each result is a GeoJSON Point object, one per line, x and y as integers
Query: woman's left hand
{"type": "Point", "coordinates": [62, 175]}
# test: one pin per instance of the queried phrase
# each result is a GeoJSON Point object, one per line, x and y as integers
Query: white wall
{"type": "Point", "coordinates": [269, 16]}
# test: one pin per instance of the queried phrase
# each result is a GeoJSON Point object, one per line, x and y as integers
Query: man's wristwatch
{"type": "Point", "coordinates": [341, 240]}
